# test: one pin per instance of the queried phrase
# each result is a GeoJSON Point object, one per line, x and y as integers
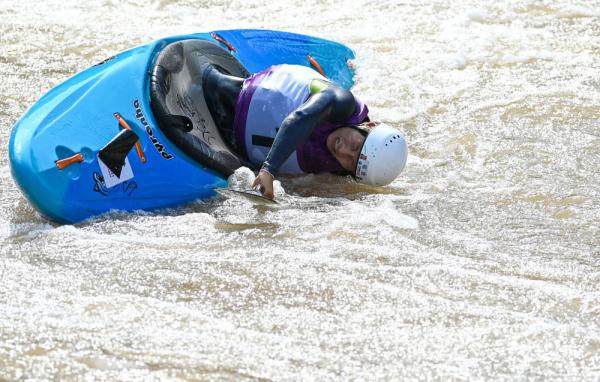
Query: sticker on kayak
{"type": "Point", "coordinates": [110, 179]}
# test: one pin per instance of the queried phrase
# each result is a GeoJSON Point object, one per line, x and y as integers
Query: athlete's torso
{"type": "Point", "coordinates": [266, 99]}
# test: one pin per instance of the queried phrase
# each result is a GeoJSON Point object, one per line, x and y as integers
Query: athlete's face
{"type": "Point", "coordinates": [345, 144]}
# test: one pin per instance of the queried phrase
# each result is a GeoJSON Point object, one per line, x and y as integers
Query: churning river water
{"type": "Point", "coordinates": [482, 261]}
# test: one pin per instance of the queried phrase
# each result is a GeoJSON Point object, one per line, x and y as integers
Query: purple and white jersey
{"type": "Point", "coordinates": [265, 100]}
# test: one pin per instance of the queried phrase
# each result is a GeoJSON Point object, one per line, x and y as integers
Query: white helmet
{"type": "Point", "coordinates": [382, 157]}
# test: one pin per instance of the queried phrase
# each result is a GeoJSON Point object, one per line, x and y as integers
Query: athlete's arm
{"type": "Point", "coordinates": [333, 104]}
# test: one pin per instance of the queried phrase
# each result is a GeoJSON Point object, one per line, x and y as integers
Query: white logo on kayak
{"type": "Point", "coordinates": [139, 114]}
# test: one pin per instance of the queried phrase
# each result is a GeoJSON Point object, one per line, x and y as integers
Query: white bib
{"type": "Point", "coordinates": [278, 94]}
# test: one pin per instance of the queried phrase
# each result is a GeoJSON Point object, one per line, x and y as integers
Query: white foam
{"type": "Point", "coordinates": [575, 11]}
{"type": "Point", "coordinates": [373, 215]}
{"type": "Point", "coordinates": [243, 177]}
{"type": "Point", "coordinates": [479, 15]}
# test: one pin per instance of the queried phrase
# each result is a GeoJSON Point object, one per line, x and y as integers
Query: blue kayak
{"type": "Point", "coordinates": [134, 133]}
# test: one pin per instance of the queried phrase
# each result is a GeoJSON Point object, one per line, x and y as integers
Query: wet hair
{"type": "Point", "coordinates": [365, 127]}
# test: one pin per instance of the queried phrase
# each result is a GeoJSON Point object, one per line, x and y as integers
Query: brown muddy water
{"type": "Point", "coordinates": [481, 262]}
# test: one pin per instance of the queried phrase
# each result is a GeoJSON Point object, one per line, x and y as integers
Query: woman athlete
{"type": "Point", "coordinates": [291, 119]}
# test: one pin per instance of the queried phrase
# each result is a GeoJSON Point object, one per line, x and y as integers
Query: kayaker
{"type": "Point", "coordinates": [292, 109]}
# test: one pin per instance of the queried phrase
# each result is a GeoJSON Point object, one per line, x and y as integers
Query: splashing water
{"type": "Point", "coordinates": [480, 262]}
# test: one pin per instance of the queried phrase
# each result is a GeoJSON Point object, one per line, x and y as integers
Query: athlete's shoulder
{"type": "Point", "coordinates": [343, 103]}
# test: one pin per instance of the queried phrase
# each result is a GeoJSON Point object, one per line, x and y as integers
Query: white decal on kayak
{"type": "Point", "coordinates": [110, 179]}
{"type": "Point", "coordinates": [139, 114]}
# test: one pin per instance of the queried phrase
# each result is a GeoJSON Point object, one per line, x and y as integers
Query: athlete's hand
{"type": "Point", "coordinates": [264, 179]}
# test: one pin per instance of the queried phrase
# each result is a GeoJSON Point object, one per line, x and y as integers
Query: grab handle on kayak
{"type": "Point", "coordinates": [66, 162]}
{"type": "Point", "coordinates": [314, 63]}
{"type": "Point", "coordinates": [222, 41]}
{"type": "Point", "coordinates": [138, 146]}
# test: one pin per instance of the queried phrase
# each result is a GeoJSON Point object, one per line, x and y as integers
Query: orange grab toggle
{"type": "Point", "coordinates": [314, 63]}
{"type": "Point", "coordinates": [138, 146]}
{"type": "Point", "coordinates": [222, 41]}
{"type": "Point", "coordinates": [64, 163]}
